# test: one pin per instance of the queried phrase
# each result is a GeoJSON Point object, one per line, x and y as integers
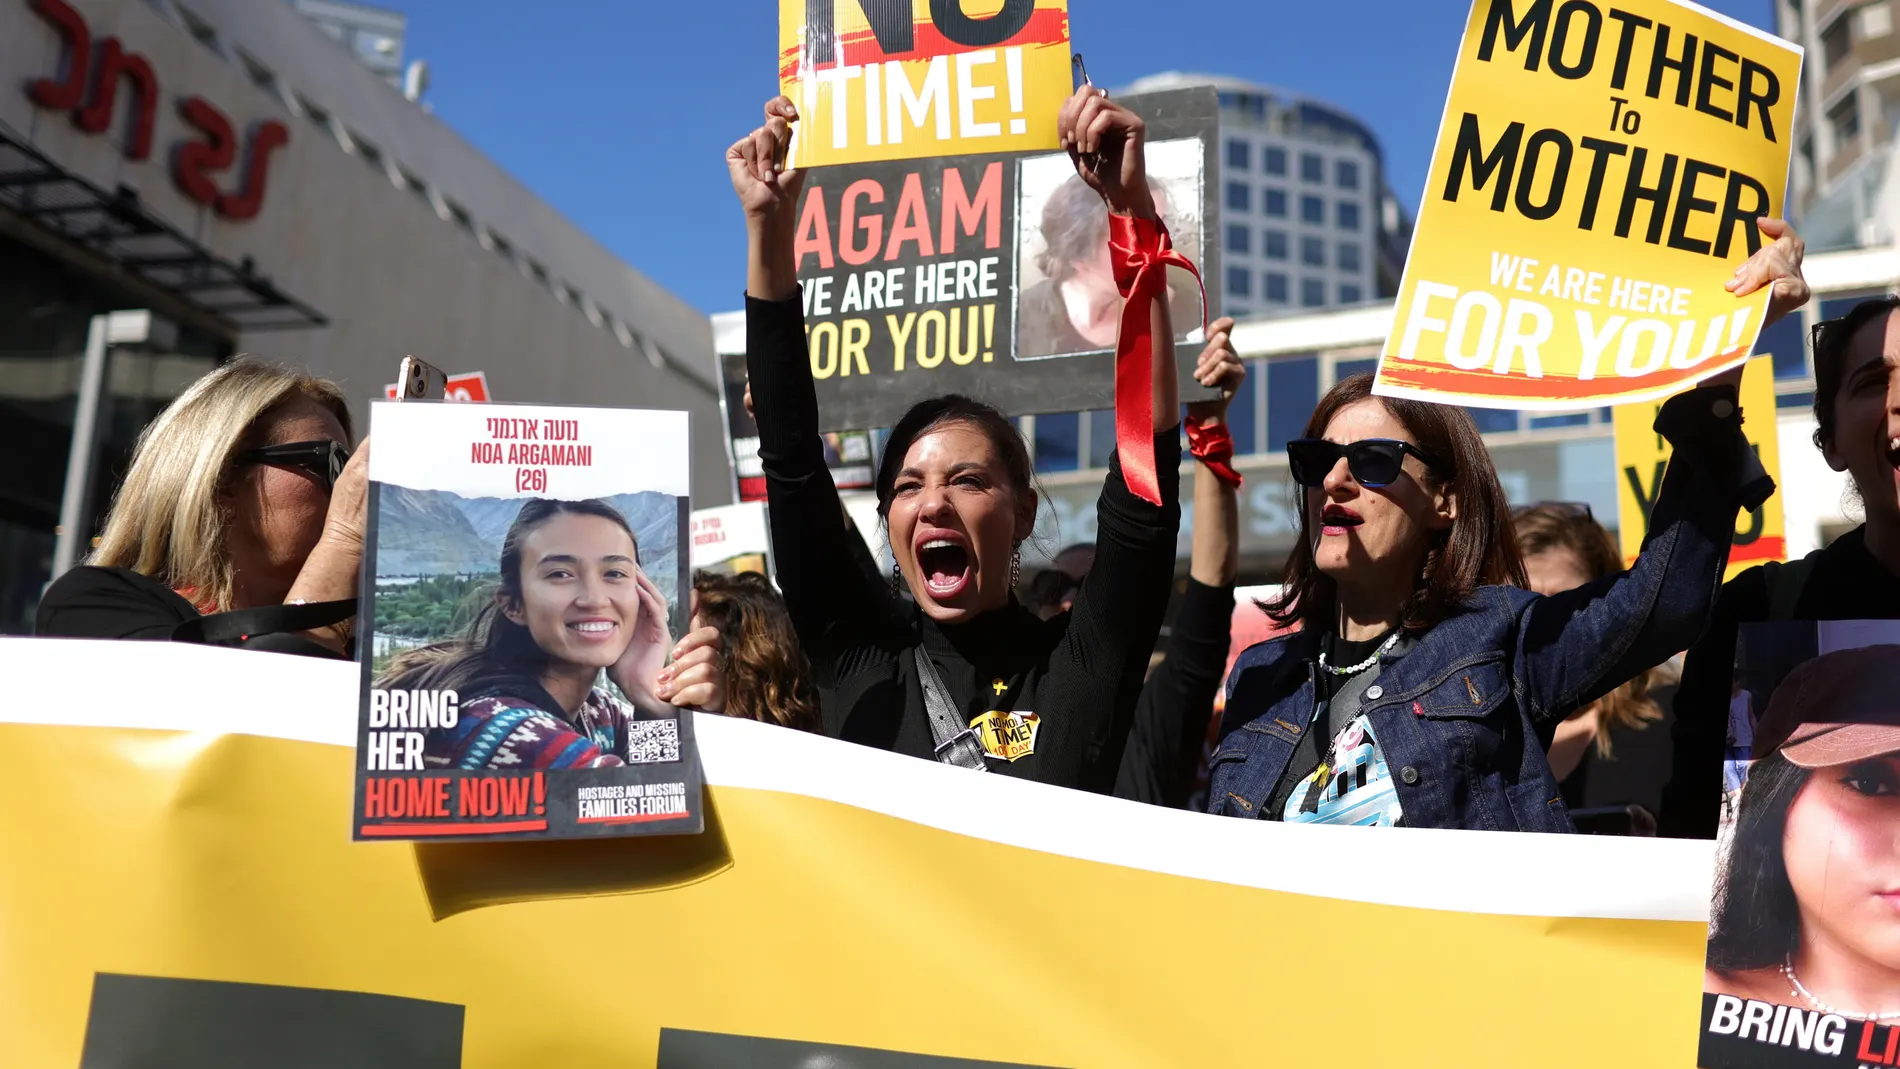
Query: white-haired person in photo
{"type": "Point", "coordinates": [240, 522]}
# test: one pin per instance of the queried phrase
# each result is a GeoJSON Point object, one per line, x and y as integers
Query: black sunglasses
{"type": "Point", "coordinates": [1373, 462]}
{"type": "Point", "coordinates": [323, 459]}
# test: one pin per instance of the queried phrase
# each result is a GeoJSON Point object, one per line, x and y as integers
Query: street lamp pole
{"type": "Point", "coordinates": [106, 330]}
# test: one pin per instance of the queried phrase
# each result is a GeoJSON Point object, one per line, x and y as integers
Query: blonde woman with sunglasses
{"type": "Point", "coordinates": [240, 522]}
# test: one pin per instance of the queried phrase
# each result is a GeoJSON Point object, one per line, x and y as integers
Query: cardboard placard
{"type": "Point", "coordinates": [988, 276]}
{"type": "Point", "coordinates": [1595, 182]}
{"type": "Point", "coordinates": [523, 576]}
{"type": "Point", "coordinates": [904, 79]}
{"type": "Point", "coordinates": [1642, 456]}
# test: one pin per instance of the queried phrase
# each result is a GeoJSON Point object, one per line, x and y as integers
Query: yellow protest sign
{"type": "Point", "coordinates": [1642, 456]}
{"type": "Point", "coordinates": [1595, 182]}
{"type": "Point", "coordinates": [902, 79]}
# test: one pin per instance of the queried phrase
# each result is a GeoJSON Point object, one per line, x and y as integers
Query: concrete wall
{"type": "Point", "coordinates": [366, 234]}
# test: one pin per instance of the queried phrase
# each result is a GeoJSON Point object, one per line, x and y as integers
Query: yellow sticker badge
{"type": "Point", "coordinates": [1005, 734]}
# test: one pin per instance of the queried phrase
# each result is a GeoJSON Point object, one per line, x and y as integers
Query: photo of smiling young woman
{"type": "Point", "coordinates": [1806, 909]}
{"type": "Point", "coordinates": [572, 612]}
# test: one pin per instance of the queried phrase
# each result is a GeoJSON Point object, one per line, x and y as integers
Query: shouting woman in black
{"type": "Point", "coordinates": [966, 674]}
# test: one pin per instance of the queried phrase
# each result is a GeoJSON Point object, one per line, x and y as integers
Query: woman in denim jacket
{"type": "Point", "coordinates": [1424, 683]}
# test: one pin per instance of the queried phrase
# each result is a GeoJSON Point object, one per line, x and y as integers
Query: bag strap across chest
{"type": "Point", "coordinates": [956, 743]}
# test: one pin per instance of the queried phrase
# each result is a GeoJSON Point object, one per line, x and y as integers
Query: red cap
{"type": "Point", "coordinates": [1835, 709]}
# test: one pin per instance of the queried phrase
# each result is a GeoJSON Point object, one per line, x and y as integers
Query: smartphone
{"type": "Point", "coordinates": [419, 380]}
{"type": "Point", "coordinates": [1079, 73]}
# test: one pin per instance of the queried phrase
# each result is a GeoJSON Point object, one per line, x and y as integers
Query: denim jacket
{"type": "Point", "coordinates": [1464, 716]}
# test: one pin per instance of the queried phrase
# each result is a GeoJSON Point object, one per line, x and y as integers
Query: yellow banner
{"type": "Point", "coordinates": [1642, 456]}
{"type": "Point", "coordinates": [182, 894]}
{"type": "Point", "coordinates": [1596, 181]}
{"type": "Point", "coordinates": [901, 79]}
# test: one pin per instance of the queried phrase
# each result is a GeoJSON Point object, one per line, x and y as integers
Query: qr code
{"type": "Point", "coordinates": [651, 742]}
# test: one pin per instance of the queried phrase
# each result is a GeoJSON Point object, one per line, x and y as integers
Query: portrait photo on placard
{"type": "Point", "coordinates": [526, 582]}
{"type": "Point", "coordinates": [1804, 921]}
{"type": "Point", "coordinates": [1067, 301]}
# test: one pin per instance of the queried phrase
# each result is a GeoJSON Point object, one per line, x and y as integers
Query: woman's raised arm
{"type": "Point", "coordinates": [1108, 144]}
{"type": "Point", "coordinates": [1579, 645]}
{"type": "Point", "coordinates": [831, 599]}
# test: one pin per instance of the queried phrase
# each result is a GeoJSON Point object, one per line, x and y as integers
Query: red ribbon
{"type": "Point", "coordinates": [1214, 447]}
{"type": "Point", "coordinates": [1141, 253]}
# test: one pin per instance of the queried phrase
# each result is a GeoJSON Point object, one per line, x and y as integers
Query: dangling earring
{"type": "Point", "coordinates": [1016, 566]}
{"type": "Point", "coordinates": [897, 581]}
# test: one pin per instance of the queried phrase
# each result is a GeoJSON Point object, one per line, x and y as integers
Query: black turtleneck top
{"type": "Point", "coordinates": [1078, 674]}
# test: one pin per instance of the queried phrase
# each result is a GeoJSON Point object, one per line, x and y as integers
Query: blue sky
{"type": "Point", "coordinates": [618, 111]}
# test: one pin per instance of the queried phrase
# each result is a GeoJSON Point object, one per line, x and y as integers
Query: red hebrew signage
{"type": "Point", "coordinates": [88, 86]}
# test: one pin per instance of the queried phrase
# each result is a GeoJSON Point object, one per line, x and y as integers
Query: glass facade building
{"type": "Point", "coordinates": [1299, 174]}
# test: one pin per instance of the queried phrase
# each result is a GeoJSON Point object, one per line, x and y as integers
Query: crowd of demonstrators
{"type": "Point", "coordinates": [1164, 746]}
{"type": "Point", "coordinates": [572, 605]}
{"type": "Point", "coordinates": [1426, 683]}
{"type": "Point", "coordinates": [1856, 577]}
{"type": "Point", "coordinates": [239, 522]}
{"type": "Point", "coordinates": [767, 677]}
{"type": "Point", "coordinates": [1446, 661]}
{"type": "Point", "coordinates": [1611, 757]}
{"type": "Point", "coordinates": [955, 491]}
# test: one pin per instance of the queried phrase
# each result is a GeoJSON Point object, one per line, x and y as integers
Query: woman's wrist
{"type": "Point", "coordinates": [773, 273]}
{"type": "Point", "coordinates": [1136, 203]}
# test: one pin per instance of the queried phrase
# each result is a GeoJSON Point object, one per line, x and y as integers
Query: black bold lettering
{"type": "Point", "coordinates": [890, 25]}
{"type": "Point", "coordinates": [1657, 195]}
{"type": "Point", "coordinates": [1625, 41]}
{"type": "Point", "coordinates": [1533, 25]}
{"type": "Point", "coordinates": [1527, 174]}
{"type": "Point", "coordinates": [978, 33]}
{"type": "Point", "coordinates": [1560, 37]}
{"type": "Point", "coordinates": [1710, 53]}
{"type": "Point", "coordinates": [1687, 202]}
{"type": "Point", "coordinates": [1501, 161]}
{"type": "Point", "coordinates": [1600, 153]}
{"type": "Point", "coordinates": [1683, 65]}
{"type": "Point", "coordinates": [1770, 94]}
{"type": "Point", "coordinates": [1735, 213]}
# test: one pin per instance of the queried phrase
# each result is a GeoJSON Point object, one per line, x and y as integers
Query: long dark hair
{"type": "Point", "coordinates": [1477, 550]}
{"type": "Point", "coordinates": [768, 677]}
{"type": "Point", "coordinates": [1754, 921]}
{"type": "Point", "coordinates": [496, 654]}
{"type": "Point", "coordinates": [929, 415]}
{"type": "Point", "coordinates": [1830, 340]}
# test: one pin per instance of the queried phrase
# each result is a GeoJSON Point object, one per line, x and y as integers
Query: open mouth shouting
{"type": "Point", "coordinates": [1893, 452]}
{"type": "Point", "coordinates": [1337, 520]}
{"type": "Point", "coordinates": [945, 562]}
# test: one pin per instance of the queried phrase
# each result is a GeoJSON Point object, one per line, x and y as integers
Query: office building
{"type": "Point", "coordinates": [1307, 218]}
{"type": "Point", "coordinates": [340, 228]}
{"type": "Point", "coordinates": [1841, 182]}
{"type": "Point", "coordinates": [373, 35]}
